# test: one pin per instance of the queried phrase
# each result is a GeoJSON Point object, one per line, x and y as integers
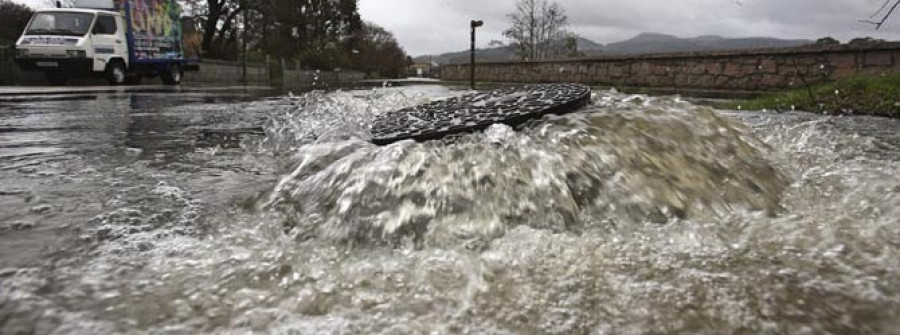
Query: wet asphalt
{"type": "Point", "coordinates": [67, 154]}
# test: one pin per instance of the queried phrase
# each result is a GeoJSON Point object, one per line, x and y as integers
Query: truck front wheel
{"type": "Point", "coordinates": [56, 78]}
{"type": "Point", "coordinates": [173, 75]}
{"type": "Point", "coordinates": [115, 73]}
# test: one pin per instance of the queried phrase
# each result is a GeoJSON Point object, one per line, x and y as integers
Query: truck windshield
{"type": "Point", "coordinates": [60, 23]}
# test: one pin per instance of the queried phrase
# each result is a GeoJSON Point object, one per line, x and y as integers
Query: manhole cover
{"type": "Point", "coordinates": [474, 112]}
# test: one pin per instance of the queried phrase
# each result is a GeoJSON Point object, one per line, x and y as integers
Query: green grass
{"type": "Point", "coordinates": [860, 95]}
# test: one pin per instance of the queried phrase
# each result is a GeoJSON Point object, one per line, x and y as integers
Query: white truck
{"type": "Point", "coordinates": [121, 40]}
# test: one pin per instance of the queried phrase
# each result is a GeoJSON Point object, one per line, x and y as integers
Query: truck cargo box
{"type": "Point", "coordinates": [154, 29]}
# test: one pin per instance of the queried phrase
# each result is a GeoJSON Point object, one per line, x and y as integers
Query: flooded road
{"type": "Point", "coordinates": [231, 213]}
{"type": "Point", "coordinates": [58, 153]}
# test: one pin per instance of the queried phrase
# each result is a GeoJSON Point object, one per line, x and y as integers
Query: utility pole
{"type": "Point", "coordinates": [244, 38]}
{"type": "Point", "coordinates": [474, 24]}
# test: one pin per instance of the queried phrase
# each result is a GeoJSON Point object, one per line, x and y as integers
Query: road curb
{"type": "Point", "coordinates": [47, 90]}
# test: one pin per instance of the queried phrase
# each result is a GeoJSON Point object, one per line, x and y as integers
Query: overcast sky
{"type": "Point", "coordinates": [33, 3]}
{"type": "Point", "coordinates": [436, 26]}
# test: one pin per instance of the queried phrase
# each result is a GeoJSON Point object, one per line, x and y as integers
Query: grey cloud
{"type": "Point", "coordinates": [431, 27]}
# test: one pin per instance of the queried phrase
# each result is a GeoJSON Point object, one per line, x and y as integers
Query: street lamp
{"type": "Point", "coordinates": [244, 47]}
{"type": "Point", "coordinates": [474, 24]}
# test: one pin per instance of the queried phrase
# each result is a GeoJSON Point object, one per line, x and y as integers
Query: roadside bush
{"type": "Point", "coordinates": [863, 94]}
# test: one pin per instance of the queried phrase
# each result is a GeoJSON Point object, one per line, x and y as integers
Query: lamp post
{"type": "Point", "coordinates": [474, 24]}
{"type": "Point", "coordinates": [244, 47]}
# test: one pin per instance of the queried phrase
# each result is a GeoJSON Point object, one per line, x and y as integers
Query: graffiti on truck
{"type": "Point", "coordinates": [156, 28]}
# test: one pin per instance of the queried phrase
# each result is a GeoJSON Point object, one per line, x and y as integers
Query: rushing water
{"type": "Point", "coordinates": [635, 215]}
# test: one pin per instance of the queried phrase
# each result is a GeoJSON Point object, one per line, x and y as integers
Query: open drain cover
{"type": "Point", "coordinates": [477, 111]}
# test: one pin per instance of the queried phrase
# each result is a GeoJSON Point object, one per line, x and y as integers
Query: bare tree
{"type": "Point", "coordinates": [219, 20]}
{"type": "Point", "coordinates": [883, 14]}
{"type": "Point", "coordinates": [538, 29]}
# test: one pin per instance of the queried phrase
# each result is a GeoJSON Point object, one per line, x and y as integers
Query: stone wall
{"type": "Point", "coordinates": [314, 77]}
{"type": "Point", "coordinates": [745, 70]}
{"type": "Point", "coordinates": [213, 72]}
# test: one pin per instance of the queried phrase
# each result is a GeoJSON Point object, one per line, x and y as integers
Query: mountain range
{"type": "Point", "coordinates": [645, 43]}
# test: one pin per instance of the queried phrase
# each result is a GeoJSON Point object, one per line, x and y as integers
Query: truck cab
{"type": "Point", "coordinates": [77, 42]}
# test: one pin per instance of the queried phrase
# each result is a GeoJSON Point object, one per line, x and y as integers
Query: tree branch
{"type": "Point", "coordinates": [886, 16]}
{"type": "Point", "coordinates": [883, 6]}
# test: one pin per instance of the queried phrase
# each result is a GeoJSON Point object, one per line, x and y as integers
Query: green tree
{"type": "Point", "coordinates": [378, 54]}
{"type": "Point", "coordinates": [569, 47]}
{"type": "Point", "coordinates": [319, 33]}
{"type": "Point", "coordinates": [15, 17]}
{"type": "Point", "coordinates": [827, 41]}
{"type": "Point", "coordinates": [865, 41]}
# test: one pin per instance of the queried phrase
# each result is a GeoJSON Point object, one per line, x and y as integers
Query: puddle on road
{"type": "Point", "coordinates": [57, 157]}
{"type": "Point", "coordinates": [8, 154]}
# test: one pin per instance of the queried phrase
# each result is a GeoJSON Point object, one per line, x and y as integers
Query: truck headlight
{"type": "Point", "coordinates": [22, 53]}
{"type": "Point", "coordinates": [76, 53]}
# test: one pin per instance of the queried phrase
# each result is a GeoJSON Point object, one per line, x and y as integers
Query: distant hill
{"type": "Point", "coordinates": [640, 44]}
{"type": "Point", "coordinates": [484, 55]}
{"type": "Point", "coordinates": [660, 43]}
{"type": "Point", "coordinates": [498, 54]}
{"type": "Point", "coordinates": [588, 46]}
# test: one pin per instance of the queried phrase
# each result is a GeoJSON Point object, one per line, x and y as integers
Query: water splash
{"type": "Point", "coordinates": [625, 160]}
{"type": "Point", "coordinates": [320, 117]}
